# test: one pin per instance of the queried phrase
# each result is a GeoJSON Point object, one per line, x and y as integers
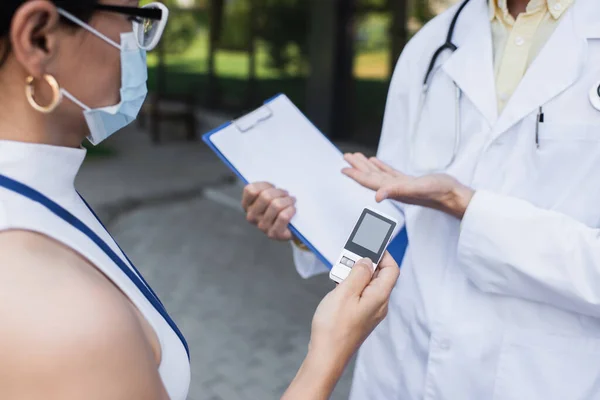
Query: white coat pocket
{"type": "Point", "coordinates": [569, 131]}
{"type": "Point", "coordinates": [565, 173]}
{"type": "Point", "coordinates": [537, 366]}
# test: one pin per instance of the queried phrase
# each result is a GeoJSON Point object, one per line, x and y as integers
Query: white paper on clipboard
{"type": "Point", "coordinates": [278, 144]}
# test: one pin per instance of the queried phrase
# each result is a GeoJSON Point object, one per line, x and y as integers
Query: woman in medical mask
{"type": "Point", "coordinates": [78, 320]}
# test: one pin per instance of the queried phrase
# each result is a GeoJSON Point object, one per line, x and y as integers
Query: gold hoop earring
{"type": "Point", "coordinates": [56, 94]}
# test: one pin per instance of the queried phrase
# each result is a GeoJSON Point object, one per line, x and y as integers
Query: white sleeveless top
{"type": "Point", "coordinates": [51, 171]}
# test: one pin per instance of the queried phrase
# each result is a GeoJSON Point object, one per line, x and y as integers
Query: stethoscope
{"type": "Point", "coordinates": [448, 45]}
{"type": "Point", "coordinates": [594, 97]}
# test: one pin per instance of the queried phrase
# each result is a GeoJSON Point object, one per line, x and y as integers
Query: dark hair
{"type": "Point", "coordinates": [82, 9]}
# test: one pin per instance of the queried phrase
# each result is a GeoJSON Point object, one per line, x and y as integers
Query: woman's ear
{"type": "Point", "coordinates": [34, 35]}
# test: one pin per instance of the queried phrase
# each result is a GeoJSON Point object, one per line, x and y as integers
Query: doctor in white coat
{"type": "Point", "coordinates": [499, 294]}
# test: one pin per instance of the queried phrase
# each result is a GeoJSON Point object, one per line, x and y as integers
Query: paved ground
{"type": "Point", "coordinates": [246, 314]}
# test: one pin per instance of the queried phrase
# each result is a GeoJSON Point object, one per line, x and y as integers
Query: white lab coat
{"type": "Point", "coordinates": [506, 307]}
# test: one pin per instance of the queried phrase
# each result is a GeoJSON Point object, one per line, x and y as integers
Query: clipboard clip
{"type": "Point", "coordinates": [256, 117]}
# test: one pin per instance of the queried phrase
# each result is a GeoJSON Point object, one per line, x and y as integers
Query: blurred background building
{"type": "Point", "coordinates": [333, 58]}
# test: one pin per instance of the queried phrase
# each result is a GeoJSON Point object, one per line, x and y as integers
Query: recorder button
{"type": "Point", "coordinates": [347, 262]}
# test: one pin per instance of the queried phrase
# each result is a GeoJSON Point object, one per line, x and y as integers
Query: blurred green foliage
{"type": "Point", "coordinates": [236, 30]}
{"type": "Point", "coordinates": [281, 25]}
{"type": "Point", "coordinates": [182, 29]}
{"type": "Point", "coordinates": [281, 30]}
{"type": "Point", "coordinates": [372, 32]}
{"type": "Point", "coordinates": [421, 10]}
{"type": "Point", "coordinates": [378, 3]}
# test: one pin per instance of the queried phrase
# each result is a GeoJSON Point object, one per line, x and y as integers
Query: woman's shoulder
{"type": "Point", "coordinates": [45, 281]}
{"type": "Point", "coordinates": [62, 316]}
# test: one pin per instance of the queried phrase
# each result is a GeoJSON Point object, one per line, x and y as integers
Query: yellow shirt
{"type": "Point", "coordinates": [517, 42]}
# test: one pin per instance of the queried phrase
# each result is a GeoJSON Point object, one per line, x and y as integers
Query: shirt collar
{"type": "Point", "coordinates": [48, 169]}
{"type": "Point", "coordinates": [558, 7]}
{"type": "Point", "coordinates": [499, 8]}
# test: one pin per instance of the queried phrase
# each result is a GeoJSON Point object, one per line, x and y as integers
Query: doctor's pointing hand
{"type": "Point", "coordinates": [438, 191]}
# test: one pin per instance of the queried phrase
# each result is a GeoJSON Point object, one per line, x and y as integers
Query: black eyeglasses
{"type": "Point", "coordinates": [148, 21]}
{"type": "Point", "coordinates": [153, 13]}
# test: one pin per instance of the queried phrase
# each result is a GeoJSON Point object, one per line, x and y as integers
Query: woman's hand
{"type": "Point", "coordinates": [348, 314]}
{"type": "Point", "coordinates": [343, 320]}
{"type": "Point", "coordinates": [269, 208]}
{"type": "Point", "coordinates": [438, 191]}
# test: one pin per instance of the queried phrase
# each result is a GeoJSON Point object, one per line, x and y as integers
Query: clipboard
{"type": "Point", "coordinates": [276, 143]}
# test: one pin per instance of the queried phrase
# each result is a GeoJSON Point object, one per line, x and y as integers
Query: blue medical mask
{"type": "Point", "coordinates": [105, 121]}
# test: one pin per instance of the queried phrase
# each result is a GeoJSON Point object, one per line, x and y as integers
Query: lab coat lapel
{"type": "Point", "coordinates": [555, 69]}
{"type": "Point", "coordinates": [471, 66]}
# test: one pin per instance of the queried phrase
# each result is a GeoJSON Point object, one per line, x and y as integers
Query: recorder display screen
{"type": "Point", "coordinates": [371, 233]}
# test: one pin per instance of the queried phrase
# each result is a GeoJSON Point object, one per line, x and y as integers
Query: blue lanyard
{"type": "Point", "coordinates": [76, 223]}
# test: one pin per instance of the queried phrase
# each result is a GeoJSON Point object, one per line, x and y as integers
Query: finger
{"type": "Point", "coordinates": [262, 202]}
{"type": "Point", "coordinates": [387, 262]}
{"type": "Point", "coordinates": [276, 206]}
{"type": "Point", "coordinates": [382, 312]}
{"type": "Point", "coordinates": [384, 167]}
{"type": "Point", "coordinates": [356, 174]}
{"type": "Point", "coordinates": [358, 161]}
{"type": "Point", "coordinates": [252, 191]}
{"type": "Point", "coordinates": [395, 191]}
{"type": "Point", "coordinates": [376, 274]}
{"type": "Point", "coordinates": [387, 277]}
{"type": "Point", "coordinates": [358, 279]}
{"type": "Point", "coordinates": [381, 195]}
{"type": "Point", "coordinates": [366, 179]}
{"type": "Point", "coordinates": [280, 229]}
{"type": "Point", "coordinates": [366, 162]}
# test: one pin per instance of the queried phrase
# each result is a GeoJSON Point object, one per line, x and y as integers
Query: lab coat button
{"type": "Point", "coordinates": [444, 345]}
{"type": "Point", "coordinates": [558, 6]}
{"type": "Point", "coordinates": [519, 41]}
